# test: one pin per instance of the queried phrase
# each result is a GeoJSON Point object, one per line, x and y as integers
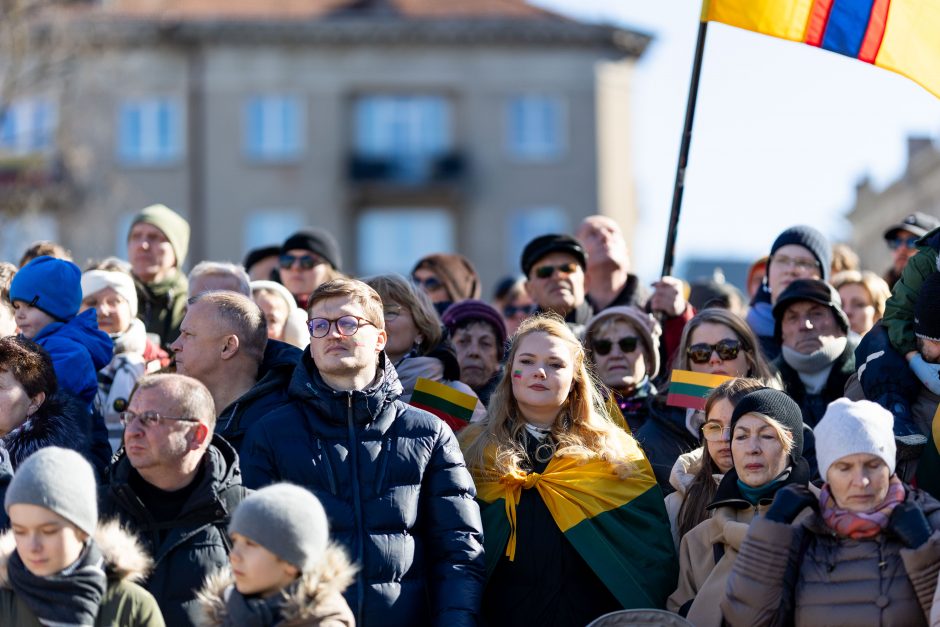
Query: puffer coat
{"type": "Point", "coordinates": [395, 488]}
{"type": "Point", "coordinates": [803, 574]}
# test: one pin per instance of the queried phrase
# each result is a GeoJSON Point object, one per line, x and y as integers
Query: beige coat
{"type": "Point", "coordinates": [681, 477]}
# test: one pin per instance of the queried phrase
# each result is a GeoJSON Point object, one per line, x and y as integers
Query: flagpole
{"type": "Point", "coordinates": [668, 258]}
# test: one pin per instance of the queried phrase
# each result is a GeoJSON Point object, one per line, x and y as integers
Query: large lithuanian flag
{"type": "Point", "coordinates": [619, 526]}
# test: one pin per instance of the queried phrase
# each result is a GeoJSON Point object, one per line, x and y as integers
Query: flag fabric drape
{"type": "Point", "coordinates": [897, 35]}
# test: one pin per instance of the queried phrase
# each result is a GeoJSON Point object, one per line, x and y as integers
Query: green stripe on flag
{"type": "Point", "coordinates": [689, 389]}
{"type": "Point", "coordinates": [442, 404]}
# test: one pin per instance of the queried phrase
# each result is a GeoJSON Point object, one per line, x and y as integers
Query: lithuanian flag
{"type": "Point", "coordinates": [690, 389]}
{"type": "Point", "coordinates": [450, 405]}
{"type": "Point", "coordinates": [619, 526]}
{"type": "Point", "coordinates": [897, 35]}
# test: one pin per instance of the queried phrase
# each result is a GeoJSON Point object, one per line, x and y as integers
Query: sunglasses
{"type": "Point", "coordinates": [429, 284]}
{"type": "Point", "coordinates": [908, 242]}
{"type": "Point", "coordinates": [726, 349]}
{"type": "Point", "coordinates": [626, 344]}
{"type": "Point", "coordinates": [544, 272]}
{"type": "Point", "coordinates": [511, 310]}
{"type": "Point", "coordinates": [714, 432]}
{"type": "Point", "coordinates": [306, 262]}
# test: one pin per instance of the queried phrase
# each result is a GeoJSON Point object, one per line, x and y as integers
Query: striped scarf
{"type": "Point", "coordinates": [861, 525]}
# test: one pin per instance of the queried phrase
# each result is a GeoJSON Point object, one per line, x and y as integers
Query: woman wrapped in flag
{"type": "Point", "coordinates": [574, 521]}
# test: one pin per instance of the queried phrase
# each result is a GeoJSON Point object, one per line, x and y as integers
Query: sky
{"type": "Point", "coordinates": [783, 131]}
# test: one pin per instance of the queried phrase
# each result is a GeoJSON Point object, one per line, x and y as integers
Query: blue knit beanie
{"type": "Point", "coordinates": [810, 239]}
{"type": "Point", "coordinates": [50, 284]}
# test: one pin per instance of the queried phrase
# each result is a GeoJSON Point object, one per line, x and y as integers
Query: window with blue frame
{"type": "Point", "coordinates": [28, 126]}
{"type": "Point", "coordinates": [274, 128]}
{"type": "Point", "coordinates": [150, 131]}
{"type": "Point", "coordinates": [536, 128]}
{"type": "Point", "coordinates": [405, 134]}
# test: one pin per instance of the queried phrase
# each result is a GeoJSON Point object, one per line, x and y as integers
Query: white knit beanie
{"type": "Point", "coordinates": [850, 427]}
{"type": "Point", "coordinates": [121, 282]}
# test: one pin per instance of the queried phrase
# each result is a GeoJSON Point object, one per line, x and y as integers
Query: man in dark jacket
{"type": "Point", "coordinates": [817, 357]}
{"type": "Point", "coordinates": [391, 477]}
{"type": "Point", "coordinates": [175, 486]}
{"type": "Point", "coordinates": [224, 344]}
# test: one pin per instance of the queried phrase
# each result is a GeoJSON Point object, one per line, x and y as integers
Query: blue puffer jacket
{"type": "Point", "coordinates": [395, 488]}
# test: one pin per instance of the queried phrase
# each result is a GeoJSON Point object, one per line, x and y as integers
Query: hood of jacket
{"type": "Point", "coordinates": [275, 372]}
{"type": "Point", "coordinates": [313, 598]}
{"type": "Point", "coordinates": [684, 470]}
{"type": "Point", "coordinates": [308, 386]}
{"type": "Point", "coordinates": [124, 557]}
{"type": "Point", "coordinates": [221, 482]}
{"type": "Point", "coordinates": [729, 494]}
{"type": "Point", "coordinates": [62, 420]}
{"type": "Point", "coordinates": [82, 329]}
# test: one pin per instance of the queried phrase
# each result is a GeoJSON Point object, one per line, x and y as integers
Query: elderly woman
{"type": "Point", "coordinates": [696, 474]}
{"type": "Point", "coordinates": [623, 343]}
{"type": "Point", "coordinates": [60, 566]}
{"type": "Point", "coordinates": [286, 321]}
{"type": "Point", "coordinates": [868, 551]}
{"type": "Point", "coordinates": [766, 449]}
{"type": "Point", "coordinates": [864, 295]}
{"type": "Point", "coordinates": [544, 455]}
{"type": "Point", "coordinates": [715, 341]}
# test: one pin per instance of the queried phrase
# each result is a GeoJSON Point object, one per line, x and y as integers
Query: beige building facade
{"type": "Point", "coordinates": [465, 127]}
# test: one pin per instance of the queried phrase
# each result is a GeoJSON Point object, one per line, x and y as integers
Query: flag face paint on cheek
{"type": "Point", "coordinates": [516, 374]}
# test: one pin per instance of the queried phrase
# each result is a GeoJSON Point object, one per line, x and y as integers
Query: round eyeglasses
{"type": "Point", "coordinates": [345, 325]}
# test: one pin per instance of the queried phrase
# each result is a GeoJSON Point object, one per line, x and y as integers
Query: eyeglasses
{"type": "Point", "coordinates": [714, 432]}
{"type": "Point", "coordinates": [603, 347]}
{"type": "Point", "coordinates": [726, 349]}
{"type": "Point", "coordinates": [802, 264]}
{"type": "Point", "coordinates": [544, 272]}
{"type": "Point", "coordinates": [306, 261]}
{"type": "Point", "coordinates": [346, 325]}
{"type": "Point", "coordinates": [149, 418]}
{"type": "Point", "coordinates": [908, 242]}
{"type": "Point", "coordinates": [511, 310]}
{"type": "Point", "coordinates": [430, 284]}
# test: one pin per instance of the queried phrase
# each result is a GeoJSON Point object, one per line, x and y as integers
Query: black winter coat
{"type": "Point", "coordinates": [269, 393]}
{"type": "Point", "coordinates": [196, 544]}
{"type": "Point", "coordinates": [664, 437]}
{"type": "Point", "coordinates": [396, 491]}
{"type": "Point", "coordinates": [814, 406]}
{"type": "Point", "coordinates": [62, 420]}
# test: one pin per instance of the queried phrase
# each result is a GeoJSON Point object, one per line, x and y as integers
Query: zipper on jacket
{"type": "Point", "coordinates": [357, 509]}
{"type": "Point", "coordinates": [380, 478]}
{"type": "Point", "coordinates": [325, 458]}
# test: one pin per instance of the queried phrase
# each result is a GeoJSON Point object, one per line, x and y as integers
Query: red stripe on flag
{"type": "Point", "coordinates": [875, 32]}
{"type": "Point", "coordinates": [456, 424]}
{"type": "Point", "coordinates": [818, 19]}
{"type": "Point", "coordinates": [684, 400]}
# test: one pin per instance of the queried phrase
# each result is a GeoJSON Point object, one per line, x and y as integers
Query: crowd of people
{"type": "Point", "coordinates": [280, 443]}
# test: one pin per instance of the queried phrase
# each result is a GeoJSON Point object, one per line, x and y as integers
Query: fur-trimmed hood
{"type": "Point", "coordinates": [318, 598]}
{"type": "Point", "coordinates": [62, 420]}
{"type": "Point", "coordinates": [124, 557]}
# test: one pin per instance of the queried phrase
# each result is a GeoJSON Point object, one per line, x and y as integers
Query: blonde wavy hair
{"type": "Point", "coordinates": [582, 429]}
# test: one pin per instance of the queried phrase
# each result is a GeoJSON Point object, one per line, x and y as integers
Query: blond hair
{"type": "Point", "coordinates": [877, 288]}
{"type": "Point", "coordinates": [783, 434]}
{"type": "Point", "coordinates": [582, 429]}
{"type": "Point", "coordinates": [394, 288]}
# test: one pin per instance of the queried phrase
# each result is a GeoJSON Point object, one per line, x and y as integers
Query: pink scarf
{"type": "Point", "coordinates": [861, 525]}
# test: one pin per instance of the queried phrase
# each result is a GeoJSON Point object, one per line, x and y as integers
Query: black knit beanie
{"type": "Point", "coordinates": [316, 241]}
{"type": "Point", "coordinates": [927, 309]}
{"type": "Point", "coordinates": [546, 244]}
{"type": "Point", "coordinates": [812, 290]}
{"type": "Point", "coordinates": [776, 405]}
{"type": "Point", "coordinates": [810, 239]}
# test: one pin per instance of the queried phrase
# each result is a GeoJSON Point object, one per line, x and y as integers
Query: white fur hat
{"type": "Point", "coordinates": [850, 427]}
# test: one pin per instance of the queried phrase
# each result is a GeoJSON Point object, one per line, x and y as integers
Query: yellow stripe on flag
{"type": "Point", "coordinates": [698, 378]}
{"type": "Point", "coordinates": [446, 392]}
{"type": "Point", "coordinates": [911, 44]}
{"type": "Point", "coordinates": [777, 18]}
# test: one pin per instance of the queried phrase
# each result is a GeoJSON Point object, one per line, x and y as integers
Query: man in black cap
{"type": "Point", "coordinates": [902, 240]}
{"type": "Point", "coordinates": [817, 357]}
{"type": "Point", "coordinates": [308, 259]}
{"type": "Point", "coordinates": [554, 269]}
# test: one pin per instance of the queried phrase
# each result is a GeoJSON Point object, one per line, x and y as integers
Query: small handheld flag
{"type": "Point", "coordinates": [690, 389]}
{"type": "Point", "coordinates": [450, 405]}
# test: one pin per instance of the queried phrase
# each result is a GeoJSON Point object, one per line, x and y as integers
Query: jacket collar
{"type": "Point", "coordinates": [728, 493]}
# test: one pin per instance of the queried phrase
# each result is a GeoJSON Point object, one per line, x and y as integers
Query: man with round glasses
{"type": "Point", "coordinates": [817, 357]}
{"type": "Point", "coordinates": [174, 485]}
{"type": "Point", "coordinates": [391, 477]}
{"type": "Point", "coordinates": [308, 259]}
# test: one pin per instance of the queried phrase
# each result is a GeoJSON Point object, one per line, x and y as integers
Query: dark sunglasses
{"type": "Point", "coordinates": [430, 284]}
{"type": "Point", "coordinates": [908, 242]}
{"type": "Point", "coordinates": [726, 349]}
{"type": "Point", "coordinates": [511, 310]}
{"type": "Point", "coordinates": [544, 272]}
{"type": "Point", "coordinates": [306, 261]}
{"type": "Point", "coordinates": [626, 344]}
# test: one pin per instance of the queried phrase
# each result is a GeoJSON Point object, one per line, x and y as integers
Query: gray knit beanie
{"type": "Point", "coordinates": [850, 427]}
{"type": "Point", "coordinates": [60, 480]}
{"type": "Point", "coordinates": [286, 520]}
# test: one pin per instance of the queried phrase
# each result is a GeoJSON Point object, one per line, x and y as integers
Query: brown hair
{"type": "Point", "coordinates": [582, 429]}
{"type": "Point", "coordinates": [29, 364]}
{"type": "Point", "coordinates": [7, 272]}
{"type": "Point", "coordinates": [38, 249]}
{"type": "Point", "coordinates": [877, 288]}
{"type": "Point", "coordinates": [355, 291]}
{"type": "Point", "coordinates": [702, 489]}
{"type": "Point", "coordinates": [394, 288]}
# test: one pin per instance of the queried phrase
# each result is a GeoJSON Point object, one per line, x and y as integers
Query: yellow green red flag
{"type": "Point", "coordinates": [897, 35]}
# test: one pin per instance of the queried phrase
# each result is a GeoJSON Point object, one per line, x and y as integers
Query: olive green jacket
{"type": "Point", "coordinates": [899, 310]}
